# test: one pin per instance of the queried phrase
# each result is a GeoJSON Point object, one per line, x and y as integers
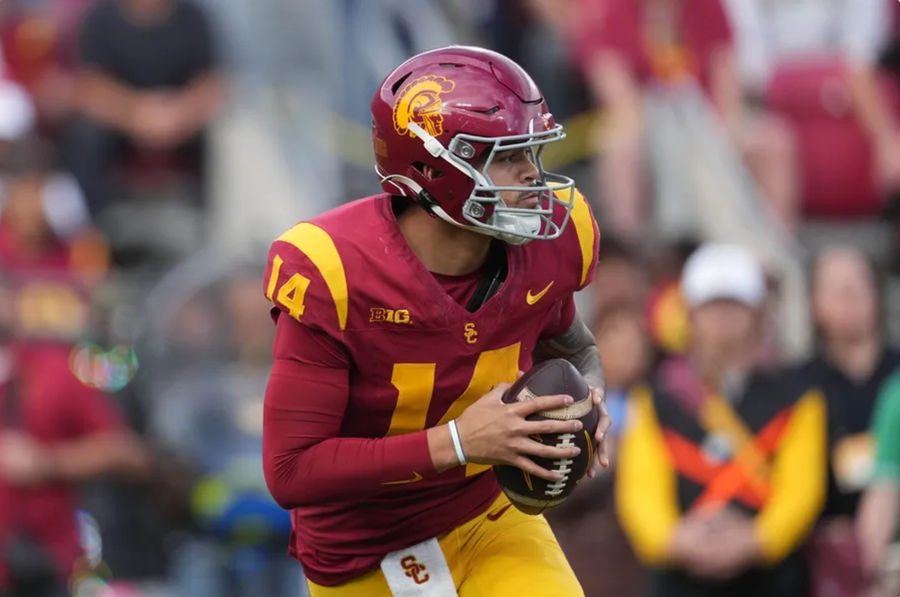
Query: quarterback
{"type": "Point", "coordinates": [401, 318]}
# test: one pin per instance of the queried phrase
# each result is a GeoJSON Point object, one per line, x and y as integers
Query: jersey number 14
{"type": "Point", "coordinates": [415, 390]}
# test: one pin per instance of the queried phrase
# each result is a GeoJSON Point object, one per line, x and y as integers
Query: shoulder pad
{"type": "Point", "coordinates": [583, 234]}
{"type": "Point", "coordinates": [305, 277]}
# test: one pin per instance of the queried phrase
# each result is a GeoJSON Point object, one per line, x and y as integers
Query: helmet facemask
{"type": "Point", "coordinates": [515, 225]}
{"type": "Point", "coordinates": [484, 210]}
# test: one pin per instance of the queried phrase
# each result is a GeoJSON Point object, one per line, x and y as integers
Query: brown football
{"type": "Point", "coordinates": [533, 495]}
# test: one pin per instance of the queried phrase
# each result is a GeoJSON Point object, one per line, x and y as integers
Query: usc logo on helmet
{"type": "Point", "coordinates": [420, 101]}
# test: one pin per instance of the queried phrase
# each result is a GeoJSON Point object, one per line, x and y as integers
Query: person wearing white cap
{"type": "Point", "coordinates": [721, 469]}
{"type": "Point", "coordinates": [724, 288]}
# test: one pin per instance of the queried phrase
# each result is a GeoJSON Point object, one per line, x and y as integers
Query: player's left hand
{"type": "Point", "coordinates": [601, 458]}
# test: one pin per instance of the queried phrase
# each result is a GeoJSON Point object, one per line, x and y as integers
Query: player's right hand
{"type": "Point", "coordinates": [492, 432]}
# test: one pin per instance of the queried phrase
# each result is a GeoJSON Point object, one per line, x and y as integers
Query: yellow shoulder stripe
{"type": "Point", "coordinates": [318, 246]}
{"type": "Point", "coordinates": [584, 229]}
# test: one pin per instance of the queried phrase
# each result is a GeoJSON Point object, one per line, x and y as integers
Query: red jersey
{"type": "Point", "coordinates": [654, 48]}
{"type": "Point", "coordinates": [54, 407]}
{"type": "Point", "coordinates": [49, 290]}
{"type": "Point", "coordinates": [415, 358]}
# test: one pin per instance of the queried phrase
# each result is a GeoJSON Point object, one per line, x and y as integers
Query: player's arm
{"type": "Point", "coordinates": [306, 461]}
{"type": "Point", "coordinates": [576, 344]}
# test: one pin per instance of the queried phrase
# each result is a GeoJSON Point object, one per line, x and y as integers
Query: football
{"type": "Point", "coordinates": [533, 495]}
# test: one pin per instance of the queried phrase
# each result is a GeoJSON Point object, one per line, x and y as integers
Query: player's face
{"type": "Point", "coordinates": [514, 168]}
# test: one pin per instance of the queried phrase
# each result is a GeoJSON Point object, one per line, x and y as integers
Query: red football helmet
{"type": "Point", "coordinates": [454, 109]}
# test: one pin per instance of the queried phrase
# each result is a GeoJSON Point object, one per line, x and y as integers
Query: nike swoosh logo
{"type": "Point", "coordinates": [496, 515]}
{"type": "Point", "coordinates": [533, 298]}
{"type": "Point", "coordinates": [413, 479]}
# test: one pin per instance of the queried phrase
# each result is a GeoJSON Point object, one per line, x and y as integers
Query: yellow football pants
{"type": "Point", "coordinates": [515, 555]}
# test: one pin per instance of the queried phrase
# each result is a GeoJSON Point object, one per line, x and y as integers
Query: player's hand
{"type": "Point", "coordinates": [492, 432]}
{"type": "Point", "coordinates": [601, 458]}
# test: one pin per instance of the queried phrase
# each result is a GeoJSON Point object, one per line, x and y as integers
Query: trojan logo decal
{"type": "Point", "coordinates": [420, 101]}
{"type": "Point", "coordinates": [415, 570]}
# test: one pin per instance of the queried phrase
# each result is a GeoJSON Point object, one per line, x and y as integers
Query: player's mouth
{"type": "Point", "coordinates": [528, 201]}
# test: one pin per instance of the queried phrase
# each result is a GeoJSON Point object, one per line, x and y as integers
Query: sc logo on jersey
{"type": "Point", "coordinates": [380, 314]}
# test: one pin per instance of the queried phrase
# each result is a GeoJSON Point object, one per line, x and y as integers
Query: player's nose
{"type": "Point", "coordinates": [530, 173]}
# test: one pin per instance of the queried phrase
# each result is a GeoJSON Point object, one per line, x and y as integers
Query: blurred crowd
{"type": "Point", "coordinates": [742, 158]}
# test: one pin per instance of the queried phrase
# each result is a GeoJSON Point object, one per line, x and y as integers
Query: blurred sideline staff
{"type": "Point", "coordinates": [722, 467]}
{"type": "Point", "coordinates": [852, 363]}
{"type": "Point", "coordinates": [878, 522]}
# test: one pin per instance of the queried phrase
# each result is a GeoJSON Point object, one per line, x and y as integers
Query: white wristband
{"type": "Point", "coordinates": [457, 444]}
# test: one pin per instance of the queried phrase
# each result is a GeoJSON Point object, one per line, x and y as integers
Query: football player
{"type": "Point", "coordinates": [401, 318]}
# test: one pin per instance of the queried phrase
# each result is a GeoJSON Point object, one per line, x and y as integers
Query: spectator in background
{"type": "Point", "coordinates": [208, 409]}
{"type": "Point", "coordinates": [626, 355]}
{"type": "Point", "coordinates": [54, 430]}
{"type": "Point", "coordinates": [721, 468]}
{"type": "Point", "coordinates": [620, 279]}
{"type": "Point", "coordinates": [149, 85]}
{"type": "Point", "coordinates": [878, 523]}
{"type": "Point", "coordinates": [852, 365]}
{"type": "Point", "coordinates": [40, 42]}
{"type": "Point", "coordinates": [585, 524]}
{"type": "Point", "coordinates": [662, 48]}
{"type": "Point", "coordinates": [44, 224]}
{"type": "Point", "coordinates": [815, 62]}
{"type": "Point", "coordinates": [16, 110]}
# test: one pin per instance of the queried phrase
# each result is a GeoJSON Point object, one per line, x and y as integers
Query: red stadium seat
{"type": "Point", "coordinates": [835, 155]}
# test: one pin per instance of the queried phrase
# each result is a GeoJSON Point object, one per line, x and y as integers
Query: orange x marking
{"type": "Point", "coordinates": [742, 478]}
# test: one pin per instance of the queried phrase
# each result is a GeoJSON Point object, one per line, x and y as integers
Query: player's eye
{"type": "Point", "coordinates": [512, 156]}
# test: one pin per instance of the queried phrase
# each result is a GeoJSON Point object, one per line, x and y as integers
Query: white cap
{"type": "Point", "coordinates": [16, 111]}
{"type": "Point", "coordinates": [723, 271]}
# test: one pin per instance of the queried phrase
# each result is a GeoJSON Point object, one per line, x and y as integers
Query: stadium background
{"type": "Point", "coordinates": [175, 327]}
